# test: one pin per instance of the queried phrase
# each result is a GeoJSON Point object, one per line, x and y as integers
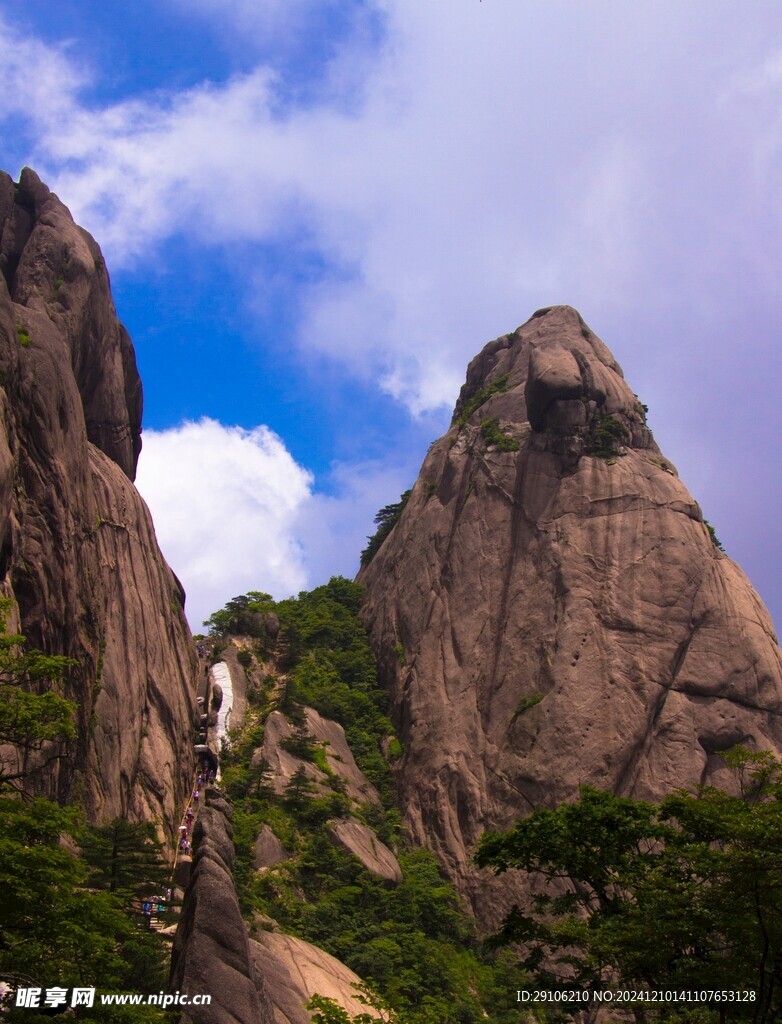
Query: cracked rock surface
{"type": "Point", "coordinates": [564, 615]}
{"type": "Point", "coordinates": [78, 552]}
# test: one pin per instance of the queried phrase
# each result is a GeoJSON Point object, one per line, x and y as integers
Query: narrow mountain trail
{"type": "Point", "coordinates": [220, 675]}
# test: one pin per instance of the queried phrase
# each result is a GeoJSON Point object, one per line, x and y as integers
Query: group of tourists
{"type": "Point", "coordinates": [205, 776]}
{"type": "Point", "coordinates": [156, 906]}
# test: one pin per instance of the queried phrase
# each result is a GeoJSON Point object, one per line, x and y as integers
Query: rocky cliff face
{"type": "Point", "coordinates": [551, 610]}
{"type": "Point", "coordinates": [77, 547]}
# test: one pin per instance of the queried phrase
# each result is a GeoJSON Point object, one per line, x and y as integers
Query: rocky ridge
{"type": "Point", "coordinates": [78, 553]}
{"type": "Point", "coordinates": [551, 609]}
{"type": "Point", "coordinates": [211, 950]}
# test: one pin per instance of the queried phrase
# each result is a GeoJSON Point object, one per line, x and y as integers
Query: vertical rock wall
{"type": "Point", "coordinates": [78, 552]}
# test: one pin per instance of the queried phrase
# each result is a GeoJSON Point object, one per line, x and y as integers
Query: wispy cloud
{"type": "Point", "coordinates": [468, 185]}
{"type": "Point", "coordinates": [39, 81]}
{"type": "Point", "coordinates": [621, 157]}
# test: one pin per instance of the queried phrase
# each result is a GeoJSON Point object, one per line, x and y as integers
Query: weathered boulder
{"type": "Point", "coordinates": [283, 764]}
{"type": "Point", "coordinates": [564, 614]}
{"type": "Point", "coordinates": [77, 546]}
{"type": "Point", "coordinates": [217, 696]}
{"type": "Point", "coordinates": [211, 953]}
{"type": "Point", "coordinates": [294, 971]}
{"type": "Point", "coordinates": [268, 850]}
{"type": "Point", "coordinates": [362, 842]}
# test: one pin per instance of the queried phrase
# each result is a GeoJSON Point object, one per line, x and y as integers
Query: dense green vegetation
{"type": "Point", "coordinates": [61, 927]}
{"type": "Point", "coordinates": [680, 895]}
{"type": "Point", "coordinates": [325, 662]}
{"type": "Point", "coordinates": [411, 941]}
{"type": "Point", "coordinates": [69, 890]}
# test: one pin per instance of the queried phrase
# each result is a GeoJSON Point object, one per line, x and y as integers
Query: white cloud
{"type": "Point", "coordinates": [234, 511]}
{"type": "Point", "coordinates": [224, 501]}
{"type": "Point", "coordinates": [269, 21]}
{"type": "Point", "coordinates": [430, 190]}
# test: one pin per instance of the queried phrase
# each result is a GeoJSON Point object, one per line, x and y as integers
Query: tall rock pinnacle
{"type": "Point", "coordinates": [551, 609]}
{"type": "Point", "coordinates": [78, 554]}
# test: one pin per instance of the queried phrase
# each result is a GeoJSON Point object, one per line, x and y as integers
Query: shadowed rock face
{"type": "Point", "coordinates": [565, 616]}
{"type": "Point", "coordinates": [77, 546]}
{"type": "Point", "coordinates": [211, 951]}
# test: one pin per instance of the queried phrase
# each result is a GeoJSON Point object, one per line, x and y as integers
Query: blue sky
{"type": "Point", "coordinates": [315, 213]}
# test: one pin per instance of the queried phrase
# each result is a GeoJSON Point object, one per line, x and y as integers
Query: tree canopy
{"type": "Point", "coordinates": [65, 919]}
{"type": "Point", "coordinates": [682, 894]}
{"type": "Point", "coordinates": [35, 719]}
{"type": "Point", "coordinates": [385, 520]}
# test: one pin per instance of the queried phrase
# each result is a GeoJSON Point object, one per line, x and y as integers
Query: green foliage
{"type": "Point", "coordinates": [328, 1011]}
{"type": "Point", "coordinates": [606, 437]}
{"type": "Point", "coordinates": [493, 436]}
{"type": "Point", "coordinates": [331, 668]}
{"type": "Point", "coordinates": [57, 931]}
{"type": "Point", "coordinates": [328, 665]}
{"type": "Point", "coordinates": [23, 335]}
{"type": "Point", "coordinates": [243, 615]}
{"type": "Point", "coordinates": [34, 717]}
{"type": "Point", "coordinates": [124, 857]}
{"type": "Point", "coordinates": [301, 743]}
{"type": "Point", "coordinates": [395, 749]}
{"type": "Point", "coordinates": [713, 535]}
{"type": "Point", "coordinates": [65, 920]}
{"type": "Point", "coordinates": [245, 658]}
{"type": "Point", "coordinates": [660, 895]}
{"type": "Point", "coordinates": [385, 520]}
{"type": "Point", "coordinates": [411, 942]}
{"type": "Point", "coordinates": [477, 399]}
{"type": "Point", "coordinates": [528, 702]}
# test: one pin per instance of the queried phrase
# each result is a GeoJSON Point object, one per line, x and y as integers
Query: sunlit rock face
{"type": "Point", "coordinates": [77, 546]}
{"type": "Point", "coordinates": [551, 610]}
